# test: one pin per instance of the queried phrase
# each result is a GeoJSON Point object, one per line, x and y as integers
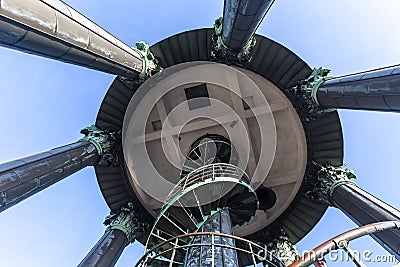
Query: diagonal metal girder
{"type": "Point", "coordinates": [240, 21]}
{"type": "Point", "coordinates": [52, 29]}
{"type": "Point", "coordinates": [371, 90]}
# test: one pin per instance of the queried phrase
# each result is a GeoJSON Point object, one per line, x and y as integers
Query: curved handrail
{"type": "Point", "coordinates": [210, 171]}
{"type": "Point", "coordinates": [342, 240]}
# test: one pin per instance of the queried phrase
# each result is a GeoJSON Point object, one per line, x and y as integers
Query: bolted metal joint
{"type": "Point", "coordinates": [221, 53]}
{"type": "Point", "coordinates": [326, 179]}
{"type": "Point", "coordinates": [106, 142]}
{"type": "Point", "coordinates": [283, 248]}
{"type": "Point", "coordinates": [127, 221]}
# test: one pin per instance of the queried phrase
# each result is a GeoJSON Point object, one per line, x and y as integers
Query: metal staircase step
{"type": "Point", "coordinates": [185, 218]}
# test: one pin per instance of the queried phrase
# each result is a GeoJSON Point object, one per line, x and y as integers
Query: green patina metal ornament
{"type": "Point", "coordinates": [326, 179]}
{"type": "Point", "coordinates": [127, 221]}
{"type": "Point", "coordinates": [283, 248]}
{"type": "Point", "coordinates": [150, 63]}
{"type": "Point", "coordinates": [314, 81]}
{"type": "Point", "coordinates": [221, 53]}
{"type": "Point", "coordinates": [106, 143]}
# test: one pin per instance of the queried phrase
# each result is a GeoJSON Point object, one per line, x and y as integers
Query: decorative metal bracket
{"type": "Point", "coordinates": [283, 248]}
{"type": "Point", "coordinates": [126, 221]}
{"type": "Point", "coordinates": [313, 82]}
{"type": "Point", "coordinates": [107, 144]}
{"type": "Point", "coordinates": [327, 179]}
{"type": "Point", "coordinates": [304, 95]}
{"type": "Point", "coordinates": [221, 53]}
{"type": "Point", "coordinates": [150, 63]}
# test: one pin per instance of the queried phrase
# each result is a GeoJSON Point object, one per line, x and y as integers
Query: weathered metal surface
{"type": "Point", "coordinates": [326, 180]}
{"type": "Point", "coordinates": [372, 90]}
{"type": "Point", "coordinates": [106, 142]}
{"type": "Point", "coordinates": [107, 250]}
{"type": "Point", "coordinates": [123, 227]}
{"type": "Point", "coordinates": [208, 256]}
{"type": "Point", "coordinates": [52, 29]}
{"type": "Point", "coordinates": [127, 221]}
{"type": "Point", "coordinates": [241, 19]}
{"type": "Point", "coordinates": [27, 176]}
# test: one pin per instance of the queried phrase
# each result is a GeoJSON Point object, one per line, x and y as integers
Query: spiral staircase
{"type": "Point", "coordinates": [212, 188]}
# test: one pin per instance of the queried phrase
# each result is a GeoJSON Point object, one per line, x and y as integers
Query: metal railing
{"type": "Point", "coordinates": [172, 252]}
{"type": "Point", "coordinates": [206, 173]}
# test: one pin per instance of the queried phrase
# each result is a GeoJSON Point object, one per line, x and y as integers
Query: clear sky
{"type": "Point", "coordinates": [44, 104]}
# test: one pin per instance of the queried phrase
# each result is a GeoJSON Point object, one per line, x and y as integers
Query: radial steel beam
{"type": "Point", "coordinates": [52, 29]}
{"type": "Point", "coordinates": [27, 176]}
{"type": "Point", "coordinates": [22, 178]}
{"type": "Point", "coordinates": [241, 19]}
{"type": "Point", "coordinates": [372, 90]}
{"type": "Point", "coordinates": [123, 228]}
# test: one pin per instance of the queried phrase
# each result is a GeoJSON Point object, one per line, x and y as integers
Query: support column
{"type": "Point", "coordinates": [122, 229]}
{"type": "Point", "coordinates": [22, 178]}
{"type": "Point", "coordinates": [283, 248]}
{"type": "Point", "coordinates": [233, 40]}
{"type": "Point", "coordinates": [205, 256]}
{"type": "Point", "coordinates": [334, 187]}
{"type": "Point", "coordinates": [54, 30]}
{"type": "Point", "coordinates": [371, 90]}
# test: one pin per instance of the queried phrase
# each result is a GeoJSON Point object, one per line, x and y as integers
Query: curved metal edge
{"type": "Point", "coordinates": [340, 241]}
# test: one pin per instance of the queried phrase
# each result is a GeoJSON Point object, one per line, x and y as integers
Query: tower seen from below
{"type": "Point", "coordinates": [247, 120]}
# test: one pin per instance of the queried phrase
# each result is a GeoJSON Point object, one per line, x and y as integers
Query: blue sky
{"type": "Point", "coordinates": [45, 103]}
